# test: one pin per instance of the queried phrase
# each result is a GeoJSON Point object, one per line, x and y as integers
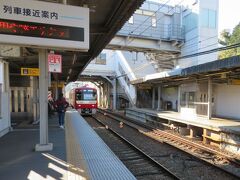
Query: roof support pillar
{"type": "Point", "coordinates": [159, 97]}
{"type": "Point", "coordinates": [153, 97]}
{"type": "Point", "coordinates": [35, 99]}
{"type": "Point", "coordinates": [114, 83]}
{"type": "Point", "coordinates": [179, 99]}
{"type": "Point", "coordinates": [56, 87]}
{"type": "Point", "coordinates": [44, 145]}
{"type": "Point", "coordinates": [64, 1]}
{"type": "Point", "coordinates": [209, 98]}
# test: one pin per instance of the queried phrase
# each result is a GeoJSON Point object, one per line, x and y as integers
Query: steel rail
{"type": "Point", "coordinates": [177, 139]}
{"type": "Point", "coordinates": [171, 174]}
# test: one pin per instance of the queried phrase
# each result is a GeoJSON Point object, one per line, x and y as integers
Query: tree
{"type": "Point", "coordinates": [228, 39]}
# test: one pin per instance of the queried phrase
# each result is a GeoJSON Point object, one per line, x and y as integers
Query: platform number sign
{"type": "Point", "coordinates": [54, 63]}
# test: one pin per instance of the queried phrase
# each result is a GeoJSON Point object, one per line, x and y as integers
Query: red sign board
{"type": "Point", "coordinates": [54, 63]}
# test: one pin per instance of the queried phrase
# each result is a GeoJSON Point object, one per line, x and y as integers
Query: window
{"type": "Point", "coordinates": [208, 18]}
{"type": "Point", "coordinates": [191, 99]}
{"type": "Point", "coordinates": [86, 95]}
{"type": "Point", "coordinates": [183, 99]}
{"type": "Point", "coordinates": [188, 99]}
{"type": "Point", "coordinates": [190, 22]}
{"type": "Point", "coordinates": [154, 22]}
{"type": "Point", "coordinates": [212, 18]}
{"type": "Point", "coordinates": [101, 59]}
{"type": "Point", "coordinates": [130, 21]}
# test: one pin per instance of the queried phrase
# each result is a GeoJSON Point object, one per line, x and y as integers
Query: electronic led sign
{"type": "Point", "coordinates": [21, 28]}
{"type": "Point", "coordinates": [43, 24]}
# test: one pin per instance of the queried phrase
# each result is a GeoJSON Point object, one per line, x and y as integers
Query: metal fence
{"type": "Point", "coordinates": [160, 32]}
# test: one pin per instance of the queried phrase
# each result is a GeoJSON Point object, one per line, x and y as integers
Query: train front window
{"type": "Point", "coordinates": [86, 95]}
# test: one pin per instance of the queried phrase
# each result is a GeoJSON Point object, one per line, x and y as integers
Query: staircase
{"type": "Point", "coordinates": [160, 61]}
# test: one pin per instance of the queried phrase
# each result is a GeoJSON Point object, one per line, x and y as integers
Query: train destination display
{"type": "Point", "coordinates": [21, 28]}
{"type": "Point", "coordinates": [44, 25]}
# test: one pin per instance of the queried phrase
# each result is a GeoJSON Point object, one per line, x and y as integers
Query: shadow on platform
{"type": "Point", "coordinates": [18, 159]}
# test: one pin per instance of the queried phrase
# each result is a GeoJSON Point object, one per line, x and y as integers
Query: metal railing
{"type": "Point", "coordinates": [160, 32]}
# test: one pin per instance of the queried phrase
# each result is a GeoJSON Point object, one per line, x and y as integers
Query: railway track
{"type": "Point", "coordinates": [217, 159]}
{"type": "Point", "coordinates": [139, 163]}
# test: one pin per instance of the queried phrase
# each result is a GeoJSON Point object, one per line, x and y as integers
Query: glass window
{"type": "Point", "coordinates": [212, 19]}
{"type": "Point", "coordinates": [183, 99]}
{"type": "Point", "coordinates": [190, 22]}
{"type": "Point", "coordinates": [79, 96]}
{"type": "Point", "coordinates": [204, 19]}
{"type": "Point", "coordinates": [191, 99]}
{"type": "Point", "coordinates": [130, 21]}
{"type": "Point", "coordinates": [86, 95]}
{"type": "Point", "coordinates": [208, 18]}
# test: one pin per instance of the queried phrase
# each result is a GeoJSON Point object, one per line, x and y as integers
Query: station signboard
{"type": "Point", "coordinates": [29, 72]}
{"type": "Point", "coordinates": [44, 24]}
{"type": "Point", "coordinates": [54, 63]}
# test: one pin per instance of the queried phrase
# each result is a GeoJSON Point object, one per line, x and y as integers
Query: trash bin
{"type": "Point", "coordinates": [169, 105]}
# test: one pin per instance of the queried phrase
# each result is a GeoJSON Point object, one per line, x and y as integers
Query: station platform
{"type": "Point", "coordinates": [78, 153]}
{"type": "Point", "coordinates": [216, 124]}
{"type": "Point", "coordinates": [89, 157]}
{"type": "Point", "coordinates": [219, 132]}
{"type": "Point", "coordinates": [19, 160]}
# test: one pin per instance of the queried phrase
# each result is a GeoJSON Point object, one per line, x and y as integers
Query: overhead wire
{"type": "Point", "coordinates": [147, 64]}
{"type": "Point", "coordinates": [160, 7]}
{"type": "Point", "coordinates": [200, 41]}
{"type": "Point", "coordinates": [191, 45]}
{"type": "Point", "coordinates": [156, 21]}
{"type": "Point", "coordinates": [207, 52]}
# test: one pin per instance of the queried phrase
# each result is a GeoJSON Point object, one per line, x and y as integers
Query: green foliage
{"type": "Point", "coordinates": [229, 39]}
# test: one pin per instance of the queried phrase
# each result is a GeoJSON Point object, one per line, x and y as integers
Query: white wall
{"type": "Point", "coordinates": [228, 101]}
{"type": "Point", "coordinates": [4, 101]}
{"type": "Point", "coordinates": [200, 38]}
{"type": "Point", "coordinates": [104, 69]}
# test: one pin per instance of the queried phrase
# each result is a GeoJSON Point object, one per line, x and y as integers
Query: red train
{"type": "Point", "coordinates": [84, 100]}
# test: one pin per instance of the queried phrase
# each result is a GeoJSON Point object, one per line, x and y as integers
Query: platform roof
{"type": "Point", "coordinates": [220, 71]}
{"type": "Point", "coordinates": [106, 18]}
